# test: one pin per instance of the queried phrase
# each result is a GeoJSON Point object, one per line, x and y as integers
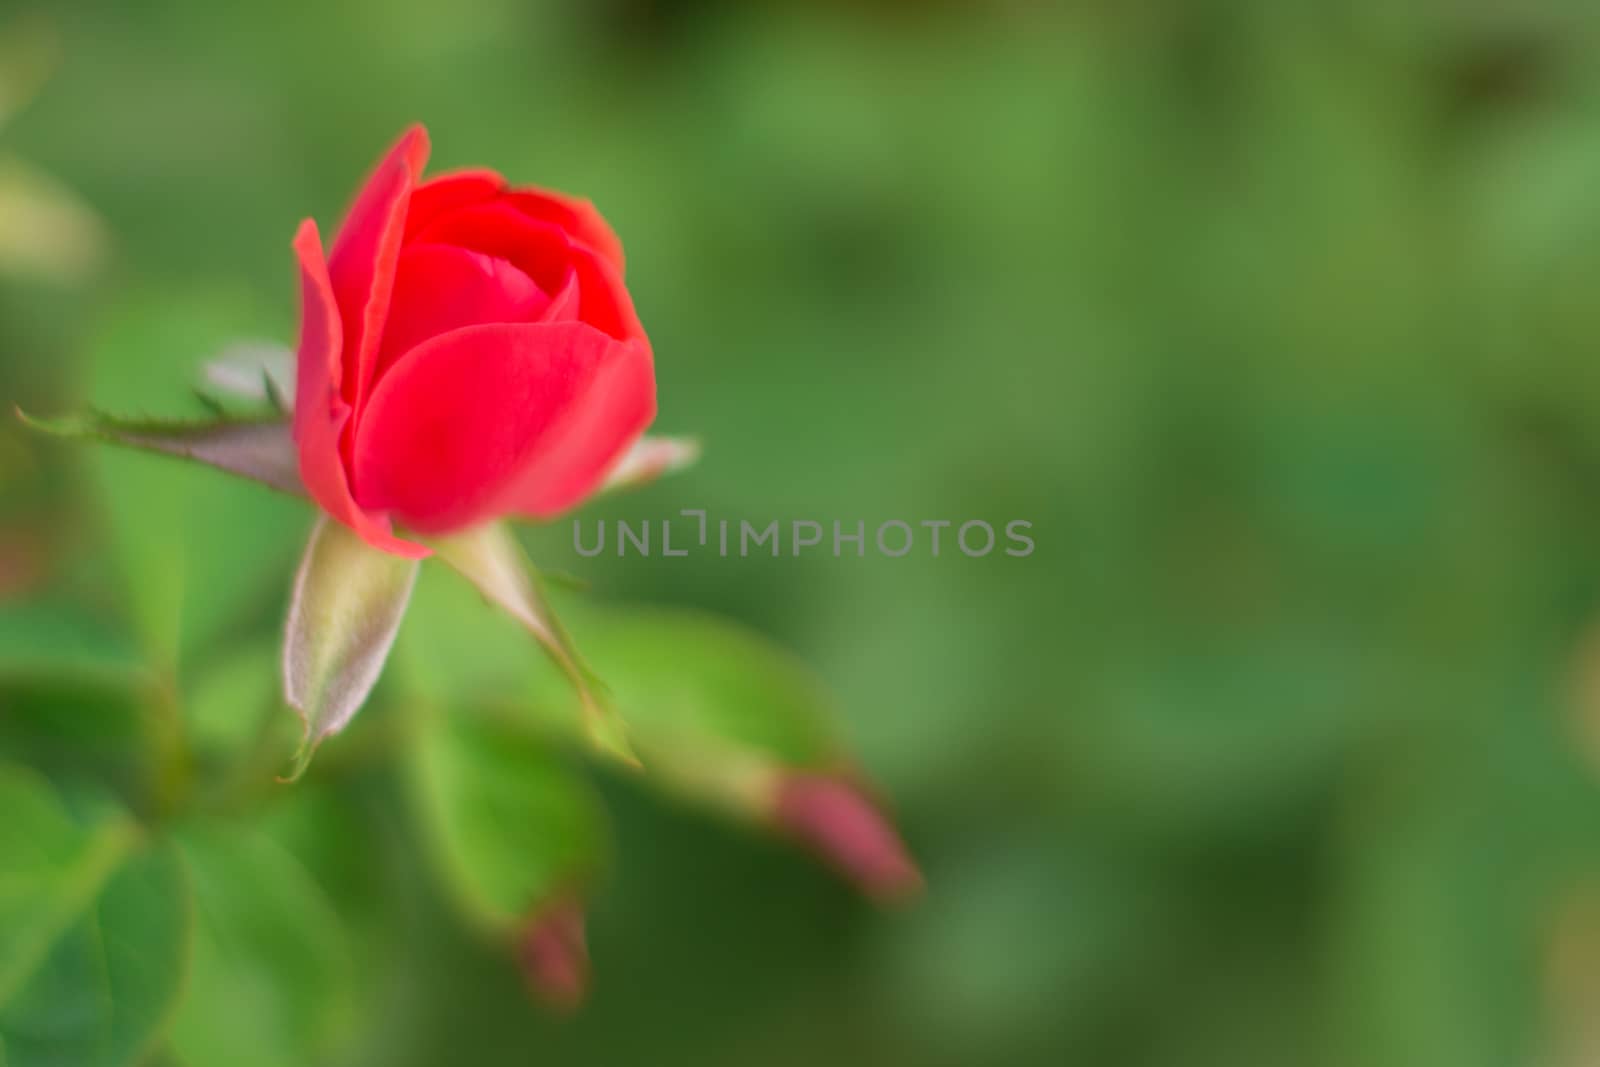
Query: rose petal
{"type": "Point", "coordinates": [467, 414]}
{"type": "Point", "coordinates": [539, 249]}
{"type": "Point", "coordinates": [364, 256]}
{"type": "Point", "coordinates": [543, 252]}
{"type": "Point", "coordinates": [564, 304]}
{"type": "Point", "coordinates": [439, 288]}
{"type": "Point", "coordinates": [604, 301]}
{"type": "Point", "coordinates": [320, 411]}
{"type": "Point", "coordinates": [594, 436]}
{"type": "Point", "coordinates": [439, 196]}
{"type": "Point", "coordinates": [576, 216]}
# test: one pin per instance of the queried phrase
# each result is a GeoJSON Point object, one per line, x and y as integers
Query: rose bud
{"type": "Point", "coordinates": [467, 351]}
{"type": "Point", "coordinates": [554, 955]}
{"type": "Point", "coordinates": [844, 826]}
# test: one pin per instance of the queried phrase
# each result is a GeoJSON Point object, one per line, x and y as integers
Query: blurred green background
{"type": "Point", "coordinates": [1280, 322]}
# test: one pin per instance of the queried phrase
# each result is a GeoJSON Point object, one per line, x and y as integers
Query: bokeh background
{"type": "Point", "coordinates": [1280, 322]}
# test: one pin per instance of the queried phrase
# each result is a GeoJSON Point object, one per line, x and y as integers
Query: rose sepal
{"type": "Point", "coordinates": [257, 448]}
{"type": "Point", "coordinates": [650, 459]}
{"type": "Point", "coordinates": [344, 614]}
{"type": "Point", "coordinates": [490, 558]}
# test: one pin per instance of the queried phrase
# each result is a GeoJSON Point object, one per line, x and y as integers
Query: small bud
{"type": "Point", "coordinates": [841, 823]}
{"type": "Point", "coordinates": [554, 955]}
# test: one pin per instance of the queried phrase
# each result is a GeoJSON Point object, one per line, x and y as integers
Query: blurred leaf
{"type": "Point", "coordinates": [49, 232]}
{"type": "Point", "coordinates": [230, 694]}
{"type": "Point", "coordinates": [89, 732]}
{"type": "Point", "coordinates": [348, 601]}
{"type": "Point", "coordinates": [46, 640]}
{"type": "Point", "coordinates": [272, 974]}
{"type": "Point", "coordinates": [94, 931]}
{"type": "Point", "coordinates": [354, 845]}
{"type": "Point", "coordinates": [720, 715]}
{"type": "Point", "coordinates": [261, 450]}
{"type": "Point", "coordinates": [74, 698]}
{"type": "Point", "coordinates": [695, 685]}
{"type": "Point", "coordinates": [510, 826]}
{"type": "Point", "coordinates": [490, 558]}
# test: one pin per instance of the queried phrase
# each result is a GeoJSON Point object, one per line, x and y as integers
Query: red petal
{"type": "Point", "coordinates": [439, 196]}
{"type": "Point", "coordinates": [439, 288]}
{"type": "Point", "coordinates": [564, 304]}
{"type": "Point", "coordinates": [487, 414]}
{"type": "Point", "coordinates": [576, 216]}
{"type": "Point", "coordinates": [539, 250]}
{"type": "Point", "coordinates": [604, 302]}
{"type": "Point", "coordinates": [363, 261]}
{"type": "Point", "coordinates": [542, 251]}
{"type": "Point", "coordinates": [573, 461]}
{"type": "Point", "coordinates": [320, 412]}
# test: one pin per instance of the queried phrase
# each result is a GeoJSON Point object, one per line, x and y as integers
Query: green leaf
{"type": "Point", "coordinates": [490, 558]}
{"type": "Point", "coordinates": [510, 826]}
{"type": "Point", "coordinates": [80, 732]}
{"type": "Point", "coordinates": [355, 849]}
{"type": "Point", "coordinates": [94, 931]}
{"type": "Point", "coordinates": [718, 713]}
{"type": "Point", "coordinates": [693, 683]}
{"type": "Point", "coordinates": [727, 719]}
{"type": "Point", "coordinates": [272, 971]}
{"type": "Point", "coordinates": [347, 605]}
{"type": "Point", "coordinates": [260, 449]}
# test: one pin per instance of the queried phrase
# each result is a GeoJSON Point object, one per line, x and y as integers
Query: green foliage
{"type": "Point", "coordinates": [95, 925]}
{"type": "Point", "coordinates": [50, 641]}
{"type": "Point", "coordinates": [512, 827]}
{"type": "Point", "coordinates": [272, 975]}
{"type": "Point", "coordinates": [687, 680]}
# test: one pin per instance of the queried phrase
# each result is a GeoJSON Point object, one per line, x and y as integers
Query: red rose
{"type": "Point", "coordinates": [467, 351]}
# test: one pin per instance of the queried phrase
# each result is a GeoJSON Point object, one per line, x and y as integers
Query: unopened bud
{"type": "Point", "coordinates": [554, 955]}
{"type": "Point", "coordinates": [841, 823]}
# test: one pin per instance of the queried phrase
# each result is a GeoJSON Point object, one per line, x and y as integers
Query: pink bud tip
{"type": "Point", "coordinates": [841, 823]}
{"type": "Point", "coordinates": [554, 955]}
